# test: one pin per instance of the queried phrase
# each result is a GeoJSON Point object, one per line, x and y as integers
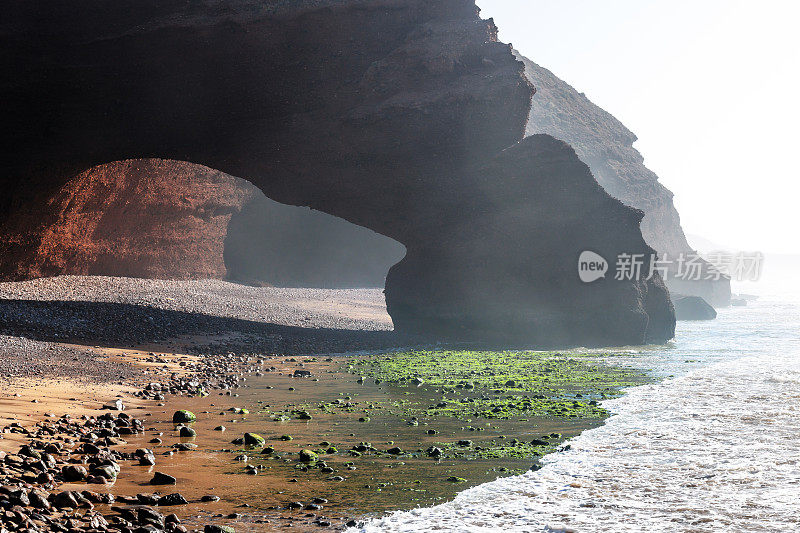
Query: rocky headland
{"type": "Point", "coordinates": [606, 146]}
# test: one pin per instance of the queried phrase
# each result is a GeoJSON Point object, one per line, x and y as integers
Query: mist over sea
{"type": "Point", "coordinates": [714, 446]}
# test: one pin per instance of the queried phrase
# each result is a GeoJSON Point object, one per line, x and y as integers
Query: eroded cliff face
{"type": "Point", "coordinates": [505, 265]}
{"type": "Point", "coordinates": [154, 218]}
{"type": "Point", "coordinates": [136, 218]}
{"type": "Point", "coordinates": [606, 146]}
{"type": "Point", "coordinates": [402, 116]}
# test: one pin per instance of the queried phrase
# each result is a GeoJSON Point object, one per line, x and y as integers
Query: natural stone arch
{"type": "Point", "coordinates": [402, 116]}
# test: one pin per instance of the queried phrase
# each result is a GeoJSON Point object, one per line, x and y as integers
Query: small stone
{"type": "Point", "coordinates": [253, 439]}
{"type": "Point", "coordinates": [73, 473]}
{"type": "Point", "coordinates": [218, 529]}
{"type": "Point", "coordinates": [308, 456]}
{"type": "Point", "coordinates": [160, 478]}
{"type": "Point", "coordinates": [183, 417]}
{"type": "Point", "coordinates": [116, 405]}
{"type": "Point", "coordinates": [172, 499]}
{"type": "Point", "coordinates": [433, 451]}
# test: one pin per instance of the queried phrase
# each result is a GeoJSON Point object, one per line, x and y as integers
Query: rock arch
{"type": "Point", "coordinates": [403, 116]}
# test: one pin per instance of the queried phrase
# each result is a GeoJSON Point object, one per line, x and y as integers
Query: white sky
{"type": "Point", "coordinates": [710, 87]}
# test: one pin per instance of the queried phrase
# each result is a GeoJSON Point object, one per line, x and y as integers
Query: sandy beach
{"type": "Point", "coordinates": [96, 368]}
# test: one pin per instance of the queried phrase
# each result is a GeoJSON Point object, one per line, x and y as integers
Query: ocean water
{"type": "Point", "coordinates": [714, 446]}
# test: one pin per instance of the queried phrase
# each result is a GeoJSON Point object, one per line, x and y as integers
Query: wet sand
{"type": "Point", "coordinates": [372, 484]}
{"type": "Point", "coordinates": [262, 492]}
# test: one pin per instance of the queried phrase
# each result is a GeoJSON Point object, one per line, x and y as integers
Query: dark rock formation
{"type": "Point", "coordinates": [693, 308]}
{"type": "Point", "coordinates": [606, 145]}
{"type": "Point", "coordinates": [517, 247]}
{"type": "Point", "coordinates": [172, 220]}
{"type": "Point", "coordinates": [403, 116]}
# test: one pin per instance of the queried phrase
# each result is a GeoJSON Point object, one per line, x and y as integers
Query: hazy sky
{"type": "Point", "coordinates": [710, 87]}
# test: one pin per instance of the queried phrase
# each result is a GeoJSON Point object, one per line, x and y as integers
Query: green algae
{"type": "Point", "coordinates": [433, 417]}
{"type": "Point", "coordinates": [503, 385]}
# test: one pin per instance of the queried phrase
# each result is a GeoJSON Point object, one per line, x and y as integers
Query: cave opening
{"type": "Point", "coordinates": [165, 219]}
{"type": "Point", "coordinates": [290, 246]}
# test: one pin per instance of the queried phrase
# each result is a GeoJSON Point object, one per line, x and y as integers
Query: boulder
{"type": "Point", "coordinates": [693, 308]}
{"type": "Point", "coordinates": [172, 499]}
{"type": "Point", "coordinates": [218, 529]}
{"type": "Point", "coordinates": [308, 456]}
{"type": "Point", "coordinates": [183, 417]}
{"type": "Point", "coordinates": [160, 478]}
{"type": "Point", "coordinates": [73, 473]}
{"type": "Point", "coordinates": [253, 439]}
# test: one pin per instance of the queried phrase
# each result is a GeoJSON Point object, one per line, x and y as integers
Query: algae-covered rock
{"type": "Point", "coordinates": [433, 451]}
{"type": "Point", "coordinates": [308, 456]}
{"type": "Point", "coordinates": [253, 439]}
{"type": "Point", "coordinates": [183, 417]}
{"type": "Point", "coordinates": [218, 529]}
{"type": "Point", "coordinates": [456, 479]}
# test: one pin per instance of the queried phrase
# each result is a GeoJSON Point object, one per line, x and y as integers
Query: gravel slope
{"type": "Point", "coordinates": [37, 316]}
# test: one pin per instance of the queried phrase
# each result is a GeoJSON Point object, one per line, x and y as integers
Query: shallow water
{"type": "Point", "coordinates": [715, 446]}
{"type": "Point", "coordinates": [378, 483]}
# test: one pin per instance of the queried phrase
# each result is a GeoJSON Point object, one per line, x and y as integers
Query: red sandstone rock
{"type": "Point", "coordinates": [137, 218]}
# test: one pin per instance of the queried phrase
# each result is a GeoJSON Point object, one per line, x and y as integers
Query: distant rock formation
{"type": "Point", "coordinates": [403, 116]}
{"type": "Point", "coordinates": [693, 308]}
{"type": "Point", "coordinates": [606, 145]}
{"type": "Point", "coordinates": [171, 220]}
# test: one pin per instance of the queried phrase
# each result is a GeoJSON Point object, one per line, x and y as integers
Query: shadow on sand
{"type": "Point", "coordinates": [127, 325]}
